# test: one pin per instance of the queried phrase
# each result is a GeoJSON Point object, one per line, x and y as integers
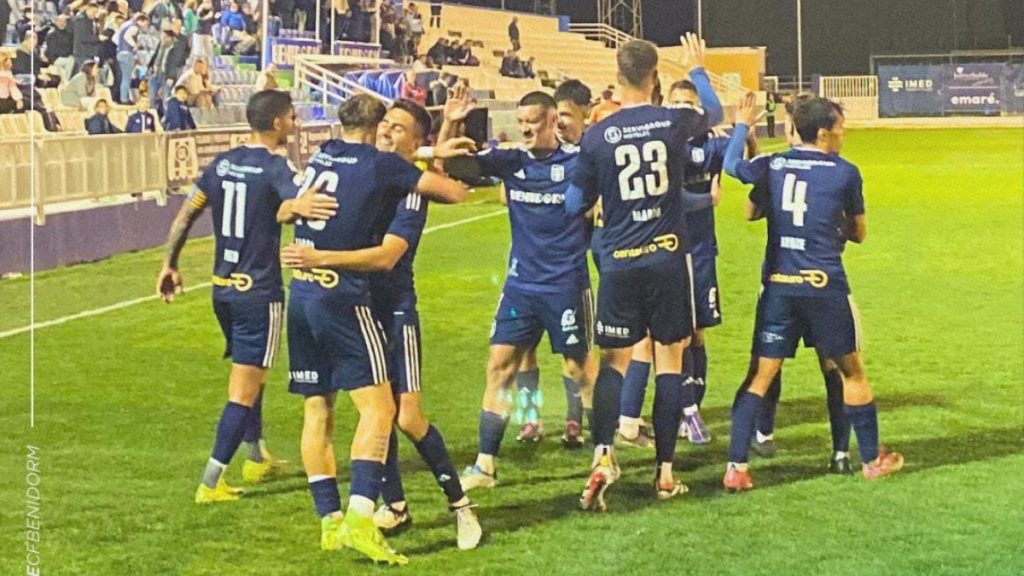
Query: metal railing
{"type": "Point", "coordinates": [329, 86]}
{"type": "Point", "coordinates": [608, 35]}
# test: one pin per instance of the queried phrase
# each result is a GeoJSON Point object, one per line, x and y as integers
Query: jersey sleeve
{"type": "Point", "coordinates": [499, 162]}
{"type": "Point", "coordinates": [203, 186]}
{"type": "Point", "coordinates": [854, 201]}
{"type": "Point", "coordinates": [285, 179]}
{"type": "Point", "coordinates": [410, 219]}
{"type": "Point", "coordinates": [399, 176]}
{"type": "Point", "coordinates": [754, 171]}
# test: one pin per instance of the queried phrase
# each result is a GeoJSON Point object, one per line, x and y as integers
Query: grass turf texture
{"type": "Point", "coordinates": [127, 403]}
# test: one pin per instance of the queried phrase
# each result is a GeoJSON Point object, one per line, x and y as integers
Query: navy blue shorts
{"type": "Point", "coordinates": [404, 349]}
{"type": "Point", "coordinates": [567, 316]}
{"type": "Point", "coordinates": [707, 309]}
{"type": "Point", "coordinates": [830, 323]}
{"type": "Point", "coordinates": [252, 330]}
{"type": "Point", "coordinates": [334, 345]}
{"type": "Point", "coordinates": [633, 302]}
{"type": "Point", "coordinates": [791, 353]}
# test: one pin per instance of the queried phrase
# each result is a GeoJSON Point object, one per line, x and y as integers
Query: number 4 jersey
{"type": "Point", "coordinates": [806, 196]}
{"type": "Point", "coordinates": [244, 188]}
{"type": "Point", "coordinates": [634, 161]}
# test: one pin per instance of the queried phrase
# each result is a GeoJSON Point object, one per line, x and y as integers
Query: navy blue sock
{"type": "Point", "coordinates": [837, 420]}
{"type": "Point", "coordinates": [770, 404]}
{"type": "Point", "coordinates": [743, 414]}
{"type": "Point", "coordinates": [435, 453]}
{"type": "Point", "coordinates": [254, 426]}
{"type": "Point", "coordinates": [492, 430]}
{"type": "Point", "coordinates": [391, 490]}
{"type": "Point", "coordinates": [366, 479]}
{"type": "Point", "coordinates": [325, 496]}
{"type": "Point", "coordinates": [529, 380]}
{"type": "Point", "coordinates": [865, 424]}
{"type": "Point", "coordinates": [573, 400]}
{"type": "Point", "coordinates": [607, 405]}
{"type": "Point", "coordinates": [634, 387]}
{"type": "Point", "coordinates": [700, 371]}
{"type": "Point", "coordinates": [230, 429]}
{"type": "Point", "coordinates": [668, 410]}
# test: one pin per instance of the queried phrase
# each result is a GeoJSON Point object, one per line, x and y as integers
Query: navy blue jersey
{"type": "Point", "coordinates": [366, 184]}
{"type": "Point", "coordinates": [632, 160]}
{"type": "Point", "coordinates": [396, 289]}
{"type": "Point", "coordinates": [549, 246]}
{"type": "Point", "coordinates": [244, 187]}
{"type": "Point", "coordinates": [806, 195]}
{"type": "Point", "coordinates": [704, 156]}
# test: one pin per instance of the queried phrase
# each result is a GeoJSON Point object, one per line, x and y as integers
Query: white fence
{"type": "Point", "coordinates": [857, 94]}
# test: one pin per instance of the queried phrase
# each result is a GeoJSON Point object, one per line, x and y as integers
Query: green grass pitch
{"type": "Point", "coordinates": [126, 404]}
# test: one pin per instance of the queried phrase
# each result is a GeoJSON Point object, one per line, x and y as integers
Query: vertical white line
{"type": "Point", "coordinates": [32, 253]}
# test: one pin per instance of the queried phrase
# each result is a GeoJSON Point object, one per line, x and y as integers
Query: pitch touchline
{"type": "Point", "coordinates": [134, 301]}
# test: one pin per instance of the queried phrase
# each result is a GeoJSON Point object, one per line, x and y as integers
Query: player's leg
{"type": "Point", "coordinates": [692, 425]}
{"type": "Point", "coordinates": [259, 463]}
{"type": "Point", "coordinates": [516, 329]}
{"type": "Point", "coordinates": [839, 424]}
{"type": "Point", "coordinates": [634, 388]}
{"type": "Point", "coordinates": [579, 389]}
{"type": "Point", "coordinates": [251, 330]}
{"type": "Point", "coordinates": [568, 318]}
{"type": "Point", "coordinates": [763, 442]}
{"type": "Point", "coordinates": [669, 394]}
{"type": "Point", "coordinates": [528, 398]}
{"type": "Point", "coordinates": [708, 314]}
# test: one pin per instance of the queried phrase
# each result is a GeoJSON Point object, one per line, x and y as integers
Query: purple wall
{"type": "Point", "coordinates": [89, 235]}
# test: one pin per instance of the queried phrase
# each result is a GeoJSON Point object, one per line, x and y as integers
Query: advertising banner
{"type": "Point", "coordinates": [360, 49]}
{"type": "Point", "coordinates": [972, 88]}
{"type": "Point", "coordinates": [284, 50]}
{"type": "Point", "coordinates": [1013, 88]}
{"type": "Point", "coordinates": [909, 90]}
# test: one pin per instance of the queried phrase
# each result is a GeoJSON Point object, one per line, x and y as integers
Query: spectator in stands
{"type": "Point", "coordinates": [24, 24]}
{"type": "Point", "coordinates": [143, 119]}
{"type": "Point", "coordinates": [301, 14]}
{"type": "Point", "coordinates": [201, 91]}
{"type": "Point", "coordinates": [99, 123]}
{"type": "Point", "coordinates": [453, 51]}
{"type": "Point", "coordinates": [179, 51]}
{"type": "Point", "coordinates": [413, 91]}
{"type": "Point", "coordinates": [439, 52]}
{"type": "Point", "coordinates": [163, 11]}
{"type": "Point", "coordinates": [286, 11]}
{"type": "Point", "coordinates": [178, 116]}
{"type": "Point", "coordinates": [81, 85]}
{"type": "Point", "coordinates": [127, 39]}
{"type": "Point", "coordinates": [414, 23]}
{"type": "Point", "coordinates": [11, 99]}
{"type": "Point", "coordinates": [60, 46]}
{"type": "Point", "coordinates": [189, 19]}
{"type": "Point", "coordinates": [202, 39]}
{"type": "Point", "coordinates": [232, 21]}
{"type": "Point", "coordinates": [439, 89]}
{"type": "Point", "coordinates": [108, 53]}
{"type": "Point", "coordinates": [28, 61]}
{"type": "Point", "coordinates": [606, 107]}
{"type": "Point", "coordinates": [86, 43]}
{"type": "Point", "coordinates": [252, 30]}
{"type": "Point", "coordinates": [160, 68]}
{"type": "Point", "coordinates": [528, 71]}
{"type": "Point", "coordinates": [5, 19]}
{"type": "Point", "coordinates": [420, 64]}
{"type": "Point", "coordinates": [435, 13]}
{"type": "Point", "coordinates": [512, 66]}
{"type": "Point", "coordinates": [513, 34]}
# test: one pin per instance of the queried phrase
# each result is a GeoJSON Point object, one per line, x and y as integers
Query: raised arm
{"type": "Point", "coordinates": [746, 116]}
{"type": "Point", "coordinates": [693, 64]}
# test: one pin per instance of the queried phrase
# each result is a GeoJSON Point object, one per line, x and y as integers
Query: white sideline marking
{"type": "Point", "coordinates": [134, 301]}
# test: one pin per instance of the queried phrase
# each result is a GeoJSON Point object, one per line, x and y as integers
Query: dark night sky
{"type": "Point", "coordinates": [839, 35]}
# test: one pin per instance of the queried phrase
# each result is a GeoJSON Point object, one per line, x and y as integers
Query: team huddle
{"type": "Point", "coordinates": [636, 189]}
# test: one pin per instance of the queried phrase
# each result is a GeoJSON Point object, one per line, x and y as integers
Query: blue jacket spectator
{"type": "Point", "coordinates": [99, 123]}
{"type": "Point", "coordinates": [142, 120]}
{"type": "Point", "coordinates": [178, 116]}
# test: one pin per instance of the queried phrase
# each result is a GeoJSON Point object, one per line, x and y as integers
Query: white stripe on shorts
{"type": "Point", "coordinates": [371, 337]}
{"type": "Point", "coordinates": [856, 321]}
{"type": "Point", "coordinates": [588, 316]}
{"type": "Point", "coordinates": [273, 334]}
{"type": "Point", "coordinates": [693, 297]}
{"type": "Point", "coordinates": [412, 358]}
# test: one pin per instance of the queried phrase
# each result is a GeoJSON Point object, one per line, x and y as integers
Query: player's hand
{"type": "Point", "coordinates": [169, 283]}
{"type": "Point", "coordinates": [747, 110]}
{"type": "Point", "coordinates": [459, 104]}
{"type": "Point", "coordinates": [716, 189]}
{"type": "Point", "coordinates": [454, 147]}
{"type": "Point", "coordinates": [312, 205]}
{"type": "Point", "coordinates": [299, 256]}
{"type": "Point", "coordinates": [693, 52]}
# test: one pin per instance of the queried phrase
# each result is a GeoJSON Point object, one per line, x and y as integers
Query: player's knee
{"type": "Point", "coordinates": [412, 423]}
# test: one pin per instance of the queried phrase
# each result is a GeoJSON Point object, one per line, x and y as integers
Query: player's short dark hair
{"type": "Point", "coordinates": [682, 85]}
{"type": "Point", "coordinates": [637, 60]}
{"type": "Point", "coordinates": [361, 111]}
{"type": "Point", "coordinates": [266, 106]}
{"type": "Point", "coordinates": [538, 98]}
{"type": "Point", "coordinates": [791, 101]}
{"type": "Point", "coordinates": [813, 114]}
{"type": "Point", "coordinates": [573, 91]}
{"type": "Point", "coordinates": [419, 115]}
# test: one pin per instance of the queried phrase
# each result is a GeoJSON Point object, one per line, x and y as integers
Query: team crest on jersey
{"type": "Point", "coordinates": [568, 320]}
{"type": "Point", "coordinates": [613, 135]}
{"type": "Point", "coordinates": [223, 167]}
{"type": "Point", "coordinates": [778, 163]}
{"type": "Point", "coordinates": [557, 173]}
{"type": "Point", "coordinates": [697, 155]}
